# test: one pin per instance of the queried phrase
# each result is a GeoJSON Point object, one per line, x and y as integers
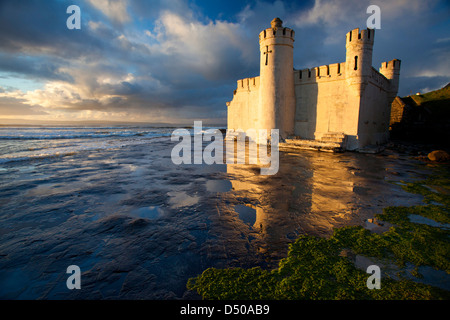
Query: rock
{"type": "Point", "coordinates": [375, 221]}
{"type": "Point", "coordinates": [439, 156]}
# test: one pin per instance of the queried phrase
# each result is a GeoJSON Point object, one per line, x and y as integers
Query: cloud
{"type": "Point", "coordinates": [332, 13]}
{"type": "Point", "coordinates": [181, 64]}
{"type": "Point", "coordinates": [10, 106]}
{"type": "Point", "coordinates": [115, 10]}
{"type": "Point", "coordinates": [167, 60]}
{"type": "Point", "coordinates": [210, 49]}
{"type": "Point", "coordinates": [33, 67]}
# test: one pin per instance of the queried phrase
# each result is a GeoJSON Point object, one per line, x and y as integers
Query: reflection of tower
{"type": "Point", "coordinates": [332, 196]}
{"type": "Point", "coordinates": [246, 183]}
{"type": "Point", "coordinates": [271, 205]}
{"type": "Point", "coordinates": [345, 192]}
{"type": "Point", "coordinates": [277, 96]}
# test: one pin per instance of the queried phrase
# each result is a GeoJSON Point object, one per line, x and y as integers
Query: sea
{"type": "Point", "coordinates": [27, 143]}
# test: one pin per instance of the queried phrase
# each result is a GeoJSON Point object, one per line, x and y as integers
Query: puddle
{"type": "Point", "coordinates": [437, 278]}
{"type": "Point", "coordinates": [415, 218]}
{"type": "Point", "coordinates": [42, 190]}
{"type": "Point", "coordinates": [151, 212]}
{"type": "Point", "coordinates": [430, 276]}
{"type": "Point", "coordinates": [116, 198]}
{"type": "Point", "coordinates": [218, 185]}
{"type": "Point", "coordinates": [246, 214]}
{"type": "Point", "coordinates": [48, 189]}
{"type": "Point", "coordinates": [180, 199]}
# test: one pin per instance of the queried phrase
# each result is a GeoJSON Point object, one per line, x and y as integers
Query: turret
{"type": "Point", "coordinates": [358, 62]}
{"type": "Point", "coordinates": [277, 95]}
{"type": "Point", "coordinates": [391, 70]}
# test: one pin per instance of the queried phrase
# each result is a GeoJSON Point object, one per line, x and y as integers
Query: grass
{"type": "Point", "coordinates": [315, 269]}
{"type": "Point", "coordinates": [437, 102]}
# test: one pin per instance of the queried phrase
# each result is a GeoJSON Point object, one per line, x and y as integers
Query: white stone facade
{"type": "Point", "coordinates": [350, 97]}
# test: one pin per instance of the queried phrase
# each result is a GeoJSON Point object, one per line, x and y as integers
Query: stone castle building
{"type": "Point", "coordinates": [345, 103]}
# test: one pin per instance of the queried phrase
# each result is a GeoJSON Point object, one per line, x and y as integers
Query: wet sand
{"type": "Point", "coordinates": [139, 226]}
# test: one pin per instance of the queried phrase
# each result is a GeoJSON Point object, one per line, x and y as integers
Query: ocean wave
{"type": "Point", "coordinates": [83, 135]}
{"type": "Point", "coordinates": [35, 157]}
{"type": "Point", "coordinates": [93, 145]}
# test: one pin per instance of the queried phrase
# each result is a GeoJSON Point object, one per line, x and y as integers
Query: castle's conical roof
{"type": "Point", "coordinates": [276, 23]}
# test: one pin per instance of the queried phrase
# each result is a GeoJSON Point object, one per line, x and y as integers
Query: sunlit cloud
{"type": "Point", "coordinates": [115, 10]}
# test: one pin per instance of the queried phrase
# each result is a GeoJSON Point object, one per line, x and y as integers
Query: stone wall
{"type": "Point", "coordinates": [243, 109]}
{"type": "Point", "coordinates": [374, 114]}
{"type": "Point", "coordinates": [321, 101]}
{"type": "Point", "coordinates": [397, 111]}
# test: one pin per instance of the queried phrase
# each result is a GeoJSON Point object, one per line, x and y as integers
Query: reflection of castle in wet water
{"type": "Point", "coordinates": [312, 193]}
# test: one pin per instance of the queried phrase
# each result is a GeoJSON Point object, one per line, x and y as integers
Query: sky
{"type": "Point", "coordinates": [176, 61]}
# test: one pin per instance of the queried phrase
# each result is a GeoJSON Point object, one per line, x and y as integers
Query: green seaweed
{"type": "Point", "coordinates": [314, 268]}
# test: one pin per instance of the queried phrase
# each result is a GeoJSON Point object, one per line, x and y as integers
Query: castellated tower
{"type": "Point", "coordinates": [391, 70]}
{"type": "Point", "coordinates": [277, 96]}
{"type": "Point", "coordinates": [338, 106]}
{"type": "Point", "coordinates": [358, 61]}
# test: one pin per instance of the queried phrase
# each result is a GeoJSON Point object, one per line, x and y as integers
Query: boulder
{"type": "Point", "coordinates": [439, 156]}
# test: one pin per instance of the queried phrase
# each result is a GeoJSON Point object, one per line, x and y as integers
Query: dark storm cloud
{"type": "Point", "coordinates": [37, 27]}
{"type": "Point", "coordinates": [34, 67]}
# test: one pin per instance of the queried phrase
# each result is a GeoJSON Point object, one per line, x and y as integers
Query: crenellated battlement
{"type": "Point", "coordinates": [335, 71]}
{"type": "Point", "coordinates": [277, 33]}
{"type": "Point", "coordinates": [247, 84]}
{"type": "Point", "coordinates": [390, 65]}
{"type": "Point", "coordinates": [355, 37]}
{"type": "Point", "coordinates": [391, 70]}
